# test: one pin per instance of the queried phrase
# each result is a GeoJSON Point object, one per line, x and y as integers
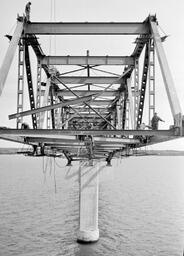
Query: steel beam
{"type": "Point", "coordinates": [88, 116]}
{"type": "Point", "coordinates": [59, 133]}
{"type": "Point", "coordinates": [20, 84]}
{"type": "Point", "coordinates": [17, 139]}
{"type": "Point", "coordinates": [50, 107]}
{"type": "Point", "coordinates": [88, 105]}
{"type": "Point", "coordinates": [88, 80]}
{"type": "Point", "coordinates": [10, 54]}
{"type": "Point", "coordinates": [136, 89]}
{"type": "Point", "coordinates": [52, 140]}
{"type": "Point", "coordinates": [86, 28]}
{"type": "Point", "coordinates": [101, 103]}
{"type": "Point", "coordinates": [98, 141]}
{"type": "Point", "coordinates": [166, 73]}
{"type": "Point", "coordinates": [83, 109]}
{"type": "Point", "coordinates": [130, 101]}
{"type": "Point", "coordinates": [30, 86]}
{"type": "Point", "coordinates": [143, 86]}
{"type": "Point", "coordinates": [45, 100]}
{"type": "Point", "coordinates": [87, 60]}
{"type": "Point", "coordinates": [66, 93]}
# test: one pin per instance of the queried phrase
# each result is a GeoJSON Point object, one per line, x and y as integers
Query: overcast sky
{"type": "Point", "coordinates": [170, 17]}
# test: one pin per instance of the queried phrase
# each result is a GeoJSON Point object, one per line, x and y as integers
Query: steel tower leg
{"type": "Point", "coordinates": [130, 98]}
{"type": "Point", "coordinates": [124, 110]}
{"type": "Point", "coordinates": [151, 81]}
{"type": "Point", "coordinates": [167, 77]}
{"type": "Point", "coordinates": [44, 103]}
{"type": "Point", "coordinates": [38, 92]}
{"type": "Point", "coordinates": [10, 54]}
{"type": "Point", "coordinates": [88, 200]}
{"type": "Point", "coordinates": [20, 87]}
{"type": "Point", "coordinates": [118, 111]}
{"type": "Point", "coordinates": [136, 92]}
{"type": "Point", "coordinates": [127, 120]}
{"type": "Point", "coordinates": [143, 86]}
{"type": "Point", "coordinates": [49, 124]}
{"type": "Point", "coordinates": [30, 85]}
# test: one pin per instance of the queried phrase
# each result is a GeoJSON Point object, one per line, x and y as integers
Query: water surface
{"type": "Point", "coordinates": [141, 207]}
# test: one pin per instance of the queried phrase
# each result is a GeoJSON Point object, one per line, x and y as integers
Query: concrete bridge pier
{"type": "Point", "coordinates": [88, 203]}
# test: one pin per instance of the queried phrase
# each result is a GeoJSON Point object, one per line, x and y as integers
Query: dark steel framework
{"type": "Point", "coordinates": [89, 117]}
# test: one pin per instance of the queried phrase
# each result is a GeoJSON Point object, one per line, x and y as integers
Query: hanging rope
{"type": "Point", "coordinates": [52, 40]}
{"type": "Point", "coordinates": [54, 17]}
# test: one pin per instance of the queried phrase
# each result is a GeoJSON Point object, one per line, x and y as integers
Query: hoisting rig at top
{"type": "Point", "coordinates": [88, 117]}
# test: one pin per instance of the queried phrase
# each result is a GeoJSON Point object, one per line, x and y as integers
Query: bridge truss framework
{"type": "Point", "coordinates": [88, 118]}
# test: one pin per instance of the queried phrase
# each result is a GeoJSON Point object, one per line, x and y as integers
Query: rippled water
{"type": "Point", "coordinates": [141, 208]}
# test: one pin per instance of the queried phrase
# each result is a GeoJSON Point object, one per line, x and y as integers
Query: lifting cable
{"type": "Point", "coordinates": [52, 19]}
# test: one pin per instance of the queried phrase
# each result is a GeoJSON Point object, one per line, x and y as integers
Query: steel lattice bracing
{"type": "Point", "coordinates": [151, 80]}
{"type": "Point", "coordinates": [88, 108]}
{"type": "Point", "coordinates": [143, 86]}
{"type": "Point", "coordinates": [38, 93]}
{"type": "Point", "coordinates": [30, 85]}
{"type": "Point", "coordinates": [20, 87]}
{"type": "Point", "coordinates": [96, 115]}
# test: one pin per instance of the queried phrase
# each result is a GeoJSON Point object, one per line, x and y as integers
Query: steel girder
{"type": "Point", "coordinates": [30, 87]}
{"type": "Point", "coordinates": [87, 60]}
{"type": "Point", "coordinates": [88, 80]}
{"type": "Point", "coordinates": [66, 93]}
{"type": "Point", "coordinates": [50, 107]}
{"type": "Point", "coordinates": [10, 53]}
{"type": "Point", "coordinates": [112, 103]}
{"type": "Point", "coordinates": [87, 28]}
{"type": "Point", "coordinates": [166, 73]}
{"type": "Point", "coordinates": [143, 86]}
{"type": "Point", "coordinates": [58, 133]}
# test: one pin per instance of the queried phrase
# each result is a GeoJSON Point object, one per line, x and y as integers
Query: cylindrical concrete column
{"type": "Point", "coordinates": [88, 203]}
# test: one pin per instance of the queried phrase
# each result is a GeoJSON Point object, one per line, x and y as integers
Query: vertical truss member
{"type": "Point", "coordinates": [30, 85]}
{"type": "Point", "coordinates": [143, 86]}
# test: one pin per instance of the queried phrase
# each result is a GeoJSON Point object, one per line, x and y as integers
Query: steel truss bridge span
{"type": "Point", "coordinates": [88, 118]}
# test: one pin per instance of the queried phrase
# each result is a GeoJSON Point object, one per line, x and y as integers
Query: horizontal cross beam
{"type": "Point", "coordinates": [100, 103]}
{"type": "Point", "coordinates": [90, 117]}
{"type": "Point", "coordinates": [87, 60]}
{"type": "Point", "coordinates": [87, 110]}
{"type": "Point", "coordinates": [88, 80]}
{"type": "Point", "coordinates": [97, 140]}
{"type": "Point", "coordinates": [59, 133]}
{"type": "Point", "coordinates": [66, 93]}
{"type": "Point", "coordinates": [86, 28]}
{"type": "Point", "coordinates": [17, 139]}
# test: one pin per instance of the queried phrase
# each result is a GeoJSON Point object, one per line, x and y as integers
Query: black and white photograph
{"type": "Point", "coordinates": [91, 128]}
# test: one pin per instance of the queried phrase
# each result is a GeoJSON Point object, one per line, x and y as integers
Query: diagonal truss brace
{"type": "Point", "coordinates": [85, 102]}
{"type": "Point", "coordinates": [50, 107]}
